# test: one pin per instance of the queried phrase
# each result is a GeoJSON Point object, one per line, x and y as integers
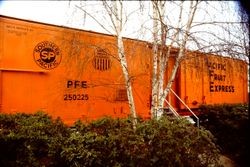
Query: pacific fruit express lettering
{"type": "Point", "coordinates": [216, 80]}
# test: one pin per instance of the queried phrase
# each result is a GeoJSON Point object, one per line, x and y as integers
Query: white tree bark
{"type": "Point", "coordinates": [117, 19]}
{"type": "Point", "coordinates": [128, 83]}
{"type": "Point", "coordinates": [154, 101]}
{"type": "Point", "coordinates": [161, 52]}
{"type": "Point", "coordinates": [181, 54]}
{"type": "Point", "coordinates": [116, 14]}
{"type": "Point", "coordinates": [163, 58]}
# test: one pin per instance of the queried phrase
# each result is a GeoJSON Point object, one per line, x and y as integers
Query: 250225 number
{"type": "Point", "coordinates": [76, 97]}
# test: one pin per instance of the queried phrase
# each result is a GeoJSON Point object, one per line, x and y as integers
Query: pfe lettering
{"type": "Point", "coordinates": [76, 84]}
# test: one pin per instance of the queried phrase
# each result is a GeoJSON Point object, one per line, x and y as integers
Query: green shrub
{"type": "Point", "coordinates": [229, 125]}
{"type": "Point", "coordinates": [30, 139]}
{"type": "Point", "coordinates": [178, 143]}
{"type": "Point", "coordinates": [105, 142]}
{"type": "Point", "coordinates": [113, 142]}
{"type": "Point", "coordinates": [38, 140]}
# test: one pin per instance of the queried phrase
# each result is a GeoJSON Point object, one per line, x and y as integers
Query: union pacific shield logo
{"type": "Point", "coordinates": [47, 55]}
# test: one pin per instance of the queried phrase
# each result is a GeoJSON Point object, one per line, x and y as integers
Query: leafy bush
{"type": "Point", "coordinates": [229, 125]}
{"type": "Point", "coordinates": [177, 143]}
{"type": "Point", "coordinates": [38, 140]}
{"type": "Point", "coordinates": [113, 142]}
{"type": "Point", "coordinates": [30, 139]}
{"type": "Point", "coordinates": [105, 142]}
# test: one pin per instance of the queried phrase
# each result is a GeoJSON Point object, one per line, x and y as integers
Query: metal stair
{"type": "Point", "coordinates": [171, 111]}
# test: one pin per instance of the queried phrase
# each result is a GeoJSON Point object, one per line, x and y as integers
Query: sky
{"type": "Point", "coordinates": [53, 12]}
{"type": "Point", "coordinates": [64, 13]}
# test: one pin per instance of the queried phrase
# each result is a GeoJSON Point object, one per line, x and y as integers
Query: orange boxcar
{"type": "Point", "coordinates": [74, 74]}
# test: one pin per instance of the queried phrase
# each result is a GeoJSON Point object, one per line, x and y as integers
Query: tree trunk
{"type": "Point", "coordinates": [172, 76]}
{"type": "Point", "coordinates": [180, 55]}
{"type": "Point", "coordinates": [163, 58]}
{"type": "Point", "coordinates": [128, 83]}
{"type": "Point", "coordinates": [154, 101]}
{"type": "Point", "coordinates": [123, 61]}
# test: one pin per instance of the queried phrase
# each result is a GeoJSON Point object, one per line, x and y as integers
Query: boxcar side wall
{"type": "Point", "coordinates": [68, 73]}
{"type": "Point", "coordinates": [210, 79]}
{"type": "Point", "coordinates": [75, 74]}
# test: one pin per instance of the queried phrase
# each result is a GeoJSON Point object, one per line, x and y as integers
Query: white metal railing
{"type": "Point", "coordinates": [198, 124]}
{"type": "Point", "coordinates": [172, 109]}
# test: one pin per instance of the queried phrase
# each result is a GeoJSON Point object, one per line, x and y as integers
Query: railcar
{"type": "Point", "coordinates": [75, 74]}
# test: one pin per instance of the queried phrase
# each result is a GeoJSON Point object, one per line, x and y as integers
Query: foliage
{"type": "Point", "coordinates": [229, 125]}
{"type": "Point", "coordinates": [30, 139]}
{"type": "Point", "coordinates": [177, 143]}
{"type": "Point", "coordinates": [105, 142]}
{"type": "Point", "coordinates": [38, 140]}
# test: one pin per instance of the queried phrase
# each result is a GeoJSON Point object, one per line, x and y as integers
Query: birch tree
{"type": "Point", "coordinates": [154, 93]}
{"type": "Point", "coordinates": [181, 30]}
{"type": "Point", "coordinates": [208, 27]}
{"type": "Point", "coordinates": [179, 35]}
{"type": "Point", "coordinates": [117, 18]}
{"type": "Point", "coordinates": [115, 12]}
{"type": "Point", "coordinates": [226, 35]}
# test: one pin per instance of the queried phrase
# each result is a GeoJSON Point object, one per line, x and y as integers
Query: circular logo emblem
{"type": "Point", "coordinates": [47, 55]}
